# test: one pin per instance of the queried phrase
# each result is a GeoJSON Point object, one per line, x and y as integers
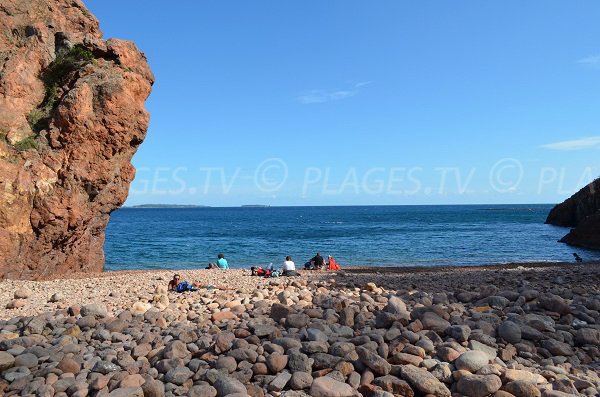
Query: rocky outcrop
{"type": "Point", "coordinates": [581, 212]}
{"type": "Point", "coordinates": [71, 117]}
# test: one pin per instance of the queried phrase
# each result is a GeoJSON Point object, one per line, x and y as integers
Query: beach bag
{"type": "Point", "coordinates": [275, 273]}
{"type": "Point", "coordinates": [184, 286]}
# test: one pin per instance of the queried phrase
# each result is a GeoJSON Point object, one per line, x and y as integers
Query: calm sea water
{"type": "Point", "coordinates": [177, 238]}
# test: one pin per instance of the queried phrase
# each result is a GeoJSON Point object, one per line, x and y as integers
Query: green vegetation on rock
{"type": "Point", "coordinates": [66, 62]}
{"type": "Point", "coordinates": [26, 144]}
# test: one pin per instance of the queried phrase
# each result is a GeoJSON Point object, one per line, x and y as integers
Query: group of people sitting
{"type": "Point", "coordinates": [317, 262]}
{"type": "Point", "coordinates": [288, 268]}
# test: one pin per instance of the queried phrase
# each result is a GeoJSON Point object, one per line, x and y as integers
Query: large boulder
{"type": "Point", "coordinates": [71, 118]}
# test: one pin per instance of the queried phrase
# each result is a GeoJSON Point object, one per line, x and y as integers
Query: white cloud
{"type": "Point", "coordinates": [591, 61]}
{"type": "Point", "coordinates": [575, 144]}
{"type": "Point", "coordinates": [362, 84]}
{"type": "Point", "coordinates": [321, 96]}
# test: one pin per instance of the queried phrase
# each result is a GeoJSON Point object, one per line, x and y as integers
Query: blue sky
{"type": "Point", "coordinates": [348, 102]}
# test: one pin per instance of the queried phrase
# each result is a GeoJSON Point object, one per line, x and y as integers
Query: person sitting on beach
{"type": "Point", "coordinates": [332, 264]}
{"type": "Point", "coordinates": [221, 263]}
{"type": "Point", "coordinates": [289, 268]}
{"type": "Point", "coordinates": [173, 283]}
{"type": "Point", "coordinates": [578, 259]}
{"type": "Point", "coordinates": [319, 262]}
{"type": "Point", "coordinates": [181, 286]}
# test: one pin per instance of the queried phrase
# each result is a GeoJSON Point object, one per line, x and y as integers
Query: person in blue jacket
{"type": "Point", "coordinates": [222, 262]}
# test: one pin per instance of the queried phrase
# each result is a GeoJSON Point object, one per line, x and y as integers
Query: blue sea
{"type": "Point", "coordinates": [462, 235]}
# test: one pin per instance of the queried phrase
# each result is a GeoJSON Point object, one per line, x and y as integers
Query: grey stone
{"type": "Point", "coordinates": [127, 392]}
{"type": "Point", "coordinates": [472, 360]}
{"type": "Point", "coordinates": [588, 336]}
{"type": "Point", "coordinates": [227, 363]}
{"type": "Point", "coordinates": [459, 332]}
{"type": "Point", "coordinates": [94, 309]}
{"type": "Point", "coordinates": [394, 385]}
{"type": "Point", "coordinates": [301, 380]}
{"type": "Point", "coordinates": [87, 322]}
{"type": "Point", "coordinates": [397, 306]}
{"type": "Point", "coordinates": [490, 351]}
{"type": "Point", "coordinates": [178, 376]}
{"type": "Point", "coordinates": [105, 367]}
{"type": "Point", "coordinates": [202, 391]}
{"type": "Point", "coordinates": [376, 363]}
{"type": "Point", "coordinates": [298, 362]}
{"type": "Point", "coordinates": [226, 385]}
{"type": "Point", "coordinates": [314, 334]}
{"type": "Point", "coordinates": [423, 381]}
{"type": "Point", "coordinates": [434, 322]}
{"type": "Point", "coordinates": [324, 361]}
{"type": "Point", "coordinates": [26, 360]}
{"type": "Point", "coordinates": [176, 349]}
{"type": "Point", "coordinates": [279, 311]}
{"type": "Point", "coordinates": [554, 303]}
{"type": "Point", "coordinates": [280, 381]}
{"type": "Point", "coordinates": [296, 320]}
{"type": "Point", "coordinates": [557, 348]}
{"type": "Point", "coordinates": [510, 332]}
{"type": "Point", "coordinates": [478, 385]}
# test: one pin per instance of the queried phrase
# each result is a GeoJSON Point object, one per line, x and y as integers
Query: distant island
{"type": "Point", "coordinates": [255, 206]}
{"type": "Point", "coordinates": [169, 206]}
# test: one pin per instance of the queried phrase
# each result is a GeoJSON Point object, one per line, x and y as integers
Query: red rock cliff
{"type": "Point", "coordinates": [71, 117]}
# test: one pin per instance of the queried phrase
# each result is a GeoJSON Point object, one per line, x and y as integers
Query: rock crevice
{"type": "Point", "coordinates": [71, 118]}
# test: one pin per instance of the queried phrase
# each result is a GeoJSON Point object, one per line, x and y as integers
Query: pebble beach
{"type": "Point", "coordinates": [529, 329]}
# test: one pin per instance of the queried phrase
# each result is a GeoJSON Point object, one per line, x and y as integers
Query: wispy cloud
{"type": "Point", "coordinates": [321, 96]}
{"type": "Point", "coordinates": [330, 95]}
{"type": "Point", "coordinates": [590, 62]}
{"type": "Point", "coordinates": [362, 84]}
{"type": "Point", "coordinates": [575, 144]}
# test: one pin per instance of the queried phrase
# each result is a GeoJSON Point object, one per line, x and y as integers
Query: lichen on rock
{"type": "Point", "coordinates": [71, 118]}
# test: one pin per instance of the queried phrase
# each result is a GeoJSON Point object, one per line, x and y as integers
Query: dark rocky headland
{"type": "Point", "coordinates": [581, 212]}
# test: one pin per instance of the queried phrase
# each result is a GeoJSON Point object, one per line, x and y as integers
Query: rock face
{"type": "Point", "coordinates": [71, 117]}
{"type": "Point", "coordinates": [582, 213]}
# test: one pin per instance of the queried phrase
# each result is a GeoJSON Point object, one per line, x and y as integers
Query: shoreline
{"type": "Point", "coordinates": [123, 288]}
{"type": "Point", "coordinates": [348, 268]}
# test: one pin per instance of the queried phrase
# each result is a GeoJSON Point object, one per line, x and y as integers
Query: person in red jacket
{"type": "Point", "coordinates": [332, 264]}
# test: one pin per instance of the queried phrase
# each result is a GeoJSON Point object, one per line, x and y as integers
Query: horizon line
{"type": "Point", "coordinates": [205, 206]}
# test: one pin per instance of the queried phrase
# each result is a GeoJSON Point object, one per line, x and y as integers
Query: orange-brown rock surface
{"type": "Point", "coordinates": [71, 117]}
